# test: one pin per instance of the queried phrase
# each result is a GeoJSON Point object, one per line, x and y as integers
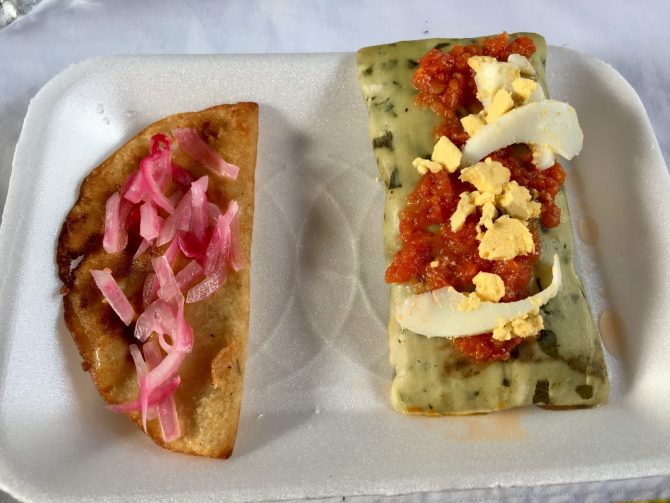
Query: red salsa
{"type": "Point", "coordinates": [446, 83]}
{"type": "Point", "coordinates": [432, 255]}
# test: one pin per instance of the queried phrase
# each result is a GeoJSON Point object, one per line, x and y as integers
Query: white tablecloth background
{"type": "Point", "coordinates": [634, 37]}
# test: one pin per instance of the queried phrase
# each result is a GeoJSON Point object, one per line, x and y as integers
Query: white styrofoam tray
{"type": "Point", "coordinates": [316, 419]}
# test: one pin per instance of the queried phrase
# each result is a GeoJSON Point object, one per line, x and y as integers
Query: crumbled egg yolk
{"type": "Point", "coordinates": [517, 202]}
{"type": "Point", "coordinates": [489, 286]}
{"type": "Point", "coordinates": [523, 89]}
{"type": "Point", "coordinates": [506, 239]}
{"type": "Point", "coordinates": [472, 123]}
{"type": "Point", "coordinates": [489, 212]}
{"type": "Point", "coordinates": [447, 154]}
{"type": "Point", "coordinates": [423, 166]}
{"type": "Point", "coordinates": [464, 209]}
{"type": "Point", "coordinates": [494, 191]}
{"type": "Point", "coordinates": [502, 102]}
{"type": "Point", "coordinates": [522, 326]}
{"type": "Point", "coordinates": [487, 176]}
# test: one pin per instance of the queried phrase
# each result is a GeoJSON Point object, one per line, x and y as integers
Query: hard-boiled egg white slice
{"type": "Point", "coordinates": [550, 123]}
{"type": "Point", "coordinates": [436, 313]}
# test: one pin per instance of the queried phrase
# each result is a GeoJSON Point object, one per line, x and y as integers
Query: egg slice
{"type": "Point", "coordinates": [436, 313]}
{"type": "Point", "coordinates": [549, 123]}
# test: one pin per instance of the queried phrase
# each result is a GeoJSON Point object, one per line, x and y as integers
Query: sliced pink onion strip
{"type": "Point", "coordinates": [169, 289]}
{"type": "Point", "coordinates": [149, 221]}
{"type": "Point", "coordinates": [236, 260]}
{"type": "Point", "coordinates": [150, 289]}
{"type": "Point", "coordinates": [134, 188]}
{"type": "Point", "coordinates": [159, 142]}
{"type": "Point", "coordinates": [214, 213]}
{"type": "Point", "coordinates": [116, 237]}
{"type": "Point", "coordinates": [145, 391]}
{"type": "Point", "coordinates": [140, 365]}
{"type": "Point", "coordinates": [148, 322]}
{"type": "Point", "coordinates": [168, 230]}
{"type": "Point", "coordinates": [199, 209]}
{"type": "Point", "coordinates": [167, 408]}
{"type": "Point", "coordinates": [162, 167]}
{"type": "Point", "coordinates": [156, 396]}
{"type": "Point", "coordinates": [114, 295]}
{"type": "Point", "coordinates": [184, 217]}
{"type": "Point", "coordinates": [151, 170]}
{"type": "Point", "coordinates": [197, 148]}
{"type": "Point", "coordinates": [167, 368]}
{"type": "Point", "coordinates": [144, 246]}
{"type": "Point", "coordinates": [207, 287]}
{"type": "Point", "coordinates": [191, 246]}
{"type": "Point", "coordinates": [141, 368]}
{"type": "Point", "coordinates": [172, 252]}
{"type": "Point", "coordinates": [181, 176]}
{"type": "Point", "coordinates": [180, 219]}
{"type": "Point", "coordinates": [183, 332]}
{"type": "Point", "coordinates": [168, 347]}
{"type": "Point", "coordinates": [189, 275]}
{"type": "Point", "coordinates": [169, 420]}
{"type": "Point", "coordinates": [218, 250]}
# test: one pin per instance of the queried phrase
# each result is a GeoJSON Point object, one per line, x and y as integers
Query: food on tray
{"type": "Point", "coordinates": [487, 312]}
{"type": "Point", "coordinates": [155, 258]}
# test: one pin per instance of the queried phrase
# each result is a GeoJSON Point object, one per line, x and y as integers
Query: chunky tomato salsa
{"type": "Point", "coordinates": [432, 255]}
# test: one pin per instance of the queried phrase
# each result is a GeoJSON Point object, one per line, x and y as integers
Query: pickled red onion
{"type": "Point", "coordinates": [134, 188]}
{"type": "Point", "coordinates": [199, 209]}
{"type": "Point", "coordinates": [181, 176]}
{"type": "Point", "coordinates": [149, 221]}
{"type": "Point", "coordinates": [155, 176]}
{"type": "Point", "coordinates": [207, 287]}
{"type": "Point", "coordinates": [191, 246]}
{"type": "Point", "coordinates": [149, 290]}
{"type": "Point", "coordinates": [114, 295]}
{"type": "Point", "coordinates": [214, 213]}
{"type": "Point", "coordinates": [218, 250]}
{"type": "Point", "coordinates": [188, 275]}
{"type": "Point", "coordinates": [156, 396]}
{"type": "Point", "coordinates": [236, 260]}
{"type": "Point", "coordinates": [167, 408]}
{"type": "Point", "coordinates": [159, 142]}
{"type": "Point", "coordinates": [167, 368]}
{"type": "Point", "coordinates": [168, 419]}
{"type": "Point", "coordinates": [116, 237]}
{"type": "Point", "coordinates": [183, 334]}
{"type": "Point", "coordinates": [200, 151]}
{"type": "Point", "coordinates": [169, 289]}
{"type": "Point", "coordinates": [140, 365]}
{"type": "Point", "coordinates": [148, 321]}
{"type": "Point", "coordinates": [172, 251]}
{"type": "Point", "coordinates": [198, 229]}
{"type": "Point", "coordinates": [180, 219]}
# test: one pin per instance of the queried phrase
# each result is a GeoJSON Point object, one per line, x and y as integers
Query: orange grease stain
{"type": "Point", "coordinates": [504, 426]}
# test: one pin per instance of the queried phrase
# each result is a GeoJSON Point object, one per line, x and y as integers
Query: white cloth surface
{"type": "Point", "coordinates": [631, 36]}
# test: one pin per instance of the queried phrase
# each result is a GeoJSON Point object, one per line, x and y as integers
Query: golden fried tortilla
{"type": "Point", "coordinates": [209, 397]}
